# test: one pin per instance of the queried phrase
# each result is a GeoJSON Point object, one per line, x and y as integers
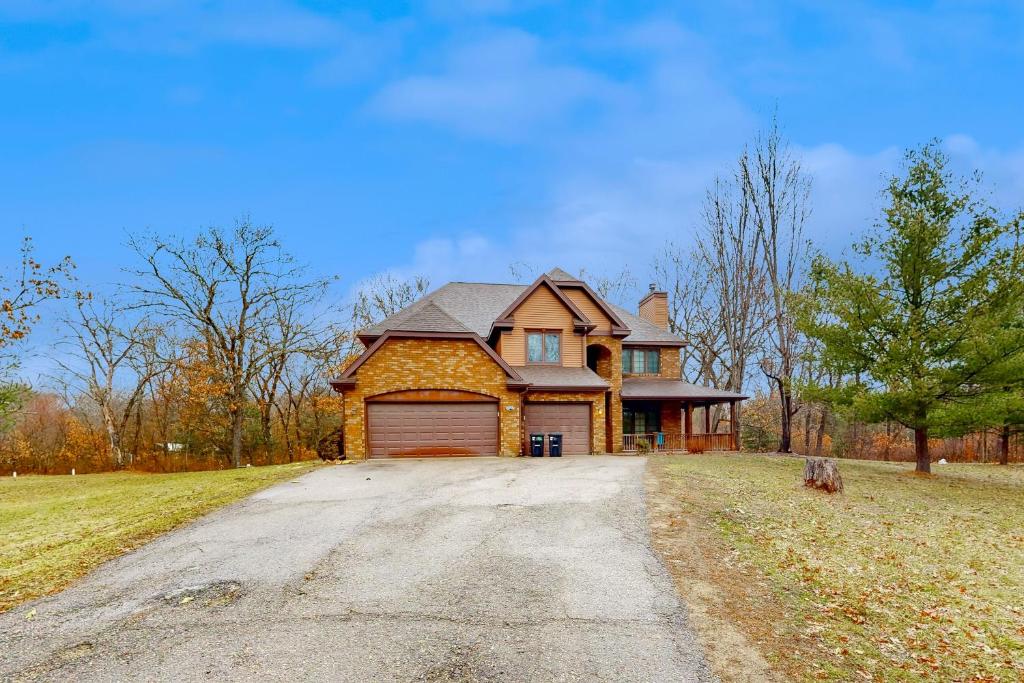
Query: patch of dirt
{"type": "Point", "coordinates": [733, 613]}
{"type": "Point", "coordinates": [215, 594]}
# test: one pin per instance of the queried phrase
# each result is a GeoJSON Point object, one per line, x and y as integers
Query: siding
{"type": "Point", "coordinates": [542, 310]}
{"type": "Point", "coordinates": [590, 309]}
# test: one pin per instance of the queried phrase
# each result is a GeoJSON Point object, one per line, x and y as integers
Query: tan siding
{"type": "Point", "coordinates": [589, 309]}
{"type": "Point", "coordinates": [542, 310]}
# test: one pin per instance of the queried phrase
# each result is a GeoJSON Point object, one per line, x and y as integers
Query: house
{"type": "Point", "coordinates": [475, 368]}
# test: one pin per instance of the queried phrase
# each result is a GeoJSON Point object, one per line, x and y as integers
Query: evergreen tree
{"type": "Point", "coordinates": [930, 316]}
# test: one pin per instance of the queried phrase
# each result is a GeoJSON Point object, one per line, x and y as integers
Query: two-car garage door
{"type": "Point", "coordinates": [432, 429]}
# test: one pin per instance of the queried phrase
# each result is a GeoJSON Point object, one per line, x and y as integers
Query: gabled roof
{"type": "Point", "coordinates": [504, 319]}
{"type": "Point", "coordinates": [475, 306]}
{"type": "Point", "coordinates": [559, 275]}
{"type": "Point", "coordinates": [347, 378]}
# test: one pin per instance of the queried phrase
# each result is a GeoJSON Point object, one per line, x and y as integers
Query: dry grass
{"type": "Point", "coordinates": [55, 529]}
{"type": "Point", "coordinates": [901, 578]}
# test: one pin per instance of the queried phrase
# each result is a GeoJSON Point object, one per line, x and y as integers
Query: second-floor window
{"type": "Point", "coordinates": [640, 362]}
{"type": "Point", "coordinates": [543, 346]}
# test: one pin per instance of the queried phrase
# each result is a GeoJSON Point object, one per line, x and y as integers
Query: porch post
{"type": "Point", "coordinates": [687, 422]}
{"type": "Point", "coordinates": [734, 425]}
{"type": "Point", "coordinates": [707, 418]}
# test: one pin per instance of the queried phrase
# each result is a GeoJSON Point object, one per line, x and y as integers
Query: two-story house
{"type": "Point", "coordinates": [475, 368]}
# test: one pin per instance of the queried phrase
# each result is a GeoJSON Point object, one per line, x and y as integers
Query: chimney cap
{"type": "Point", "coordinates": [654, 286]}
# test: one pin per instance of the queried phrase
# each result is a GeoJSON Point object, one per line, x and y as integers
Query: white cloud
{"type": "Point", "coordinates": [499, 86]}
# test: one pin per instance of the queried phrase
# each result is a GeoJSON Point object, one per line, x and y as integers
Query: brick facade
{"type": "Point", "coordinates": [610, 369]}
{"type": "Point", "coordinates": [403, 364]}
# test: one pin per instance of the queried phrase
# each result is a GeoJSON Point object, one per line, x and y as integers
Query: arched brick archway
{"type": "Point", "coordinates": [601, 358]}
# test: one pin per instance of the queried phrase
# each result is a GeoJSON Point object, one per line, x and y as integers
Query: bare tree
{"type": "Point", "coordinates": [225, 286]}
{"type": "Point", "coordinates": [384, 295]}
{"type": "Point", "coordinates": [779, 195]}
{"type": "Point", "coordinates": [615, 288]}
{"type": "Point", "coordinates": [113, 362]}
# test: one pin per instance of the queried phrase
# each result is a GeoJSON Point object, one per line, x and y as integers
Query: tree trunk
{"type": "Point", "coordinates": [820, 473]}
{"type": "Point", "coordinates": [822, 421]}
{"type": "Point", "coordinates": [1004, 446]}
{"type": "Point", "coordinates": [807, 429]}
{"type": "Point", "coordinates": [786, 402]}
{"type": "Point", "coordinates": [236, 435]}
{"type": "Point", "coordinates": [924, 461]}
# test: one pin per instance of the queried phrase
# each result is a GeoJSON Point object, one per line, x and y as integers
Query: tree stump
{"type": "Point", "coordinates": [822, 473]}
{"type": "Point", "coordinates": [330, 447]}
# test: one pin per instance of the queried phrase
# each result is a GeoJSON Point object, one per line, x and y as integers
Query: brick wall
{"type": "Point", "coordinates": [402, 364]}
{"type": "Point", "coordinates": [670, 365]}
{"type": "Point", "coordinates": [611, 370]}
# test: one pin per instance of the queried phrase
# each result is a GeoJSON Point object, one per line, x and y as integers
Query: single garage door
{"type": "Point", "coordinates": [426, 429]}
{"type": "Point", "coordinates": [571, 420]}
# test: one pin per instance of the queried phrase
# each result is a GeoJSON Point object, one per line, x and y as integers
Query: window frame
{"type": "Point", "coordinates": [646, 354]}
{"type": "Point", "coordinates": [543, 332]}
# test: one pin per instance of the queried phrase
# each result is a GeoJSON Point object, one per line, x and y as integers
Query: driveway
{"type": "Point", "coordinates": [419, 570]}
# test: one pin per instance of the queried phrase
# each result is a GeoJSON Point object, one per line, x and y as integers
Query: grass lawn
{"type": "Point", "coordinates": [900, 578]}
{"type": "Point", "coordinates": [55, 529]}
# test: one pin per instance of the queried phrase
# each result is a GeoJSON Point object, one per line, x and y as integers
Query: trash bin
{"type": "Point", "coordinates": [536, 445]}
{"type": "Point", "coordinates": [555, 445]}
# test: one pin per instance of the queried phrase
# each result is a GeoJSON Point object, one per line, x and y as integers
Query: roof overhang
{"type": "Point", "coordinates": [658, 389]}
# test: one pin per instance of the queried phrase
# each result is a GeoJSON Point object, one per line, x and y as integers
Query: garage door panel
{"type": "Point", "coordinates": [432, 429]}
{"type": "Point", "coordinates": [571, 420]}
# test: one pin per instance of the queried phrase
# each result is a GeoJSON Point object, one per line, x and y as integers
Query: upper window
{"type": "Point", "coordinates": [640, 362]}
{"type": "Point", "coordinates": [543, 347]}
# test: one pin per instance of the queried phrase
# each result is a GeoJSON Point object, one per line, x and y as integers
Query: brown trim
{"type": "Point", "coordinates": [346, 380]}
{"type": "Point", "coordinates": [542, 332]}
{"type": "Point", "coordinates": [674, 344]}
{"type": "Point", "coordinates": [431, 396]}
{"type": "Point", "coordinates": [505, 320]}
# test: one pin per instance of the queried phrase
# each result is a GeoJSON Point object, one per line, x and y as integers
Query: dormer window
{"type": "Point", "coordinates": [544, 346]}
{"type": "Point", "coordinates": [640, 362]}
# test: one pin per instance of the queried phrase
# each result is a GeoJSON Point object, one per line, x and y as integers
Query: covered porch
{"type": "Point", "coordinates": [671, 415]}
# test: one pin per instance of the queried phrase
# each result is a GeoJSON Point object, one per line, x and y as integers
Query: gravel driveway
{"type": "Point", "coordinates": [421, 570]}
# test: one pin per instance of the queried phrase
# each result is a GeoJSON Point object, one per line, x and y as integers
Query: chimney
{"type": "Point", "coordinates": [654, 307]}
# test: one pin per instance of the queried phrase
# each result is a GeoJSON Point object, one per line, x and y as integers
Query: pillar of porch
{"type": "Point", "coordinates": [687, 421]}
{"type": "Point", "coordinates": [707, 418]}
{"type": "Point", "coordinates": [734, 425]}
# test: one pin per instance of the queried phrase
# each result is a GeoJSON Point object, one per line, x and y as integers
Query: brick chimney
{"type": "Point", "coordinates": [654, 307]}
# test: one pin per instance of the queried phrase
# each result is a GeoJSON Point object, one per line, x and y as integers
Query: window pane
{"type": "Point", "coordinates": [652, 361]}
{"type": "Point", "coordinates": [533, 348]}
{"type": "Point", "coordinates": [551, 350]}
{"type": "Point", "coordinates": [627, 361]}
{"type": "Point", "coordinates": [638, 361]}
{"type": "Point", "coordinates": [639, 422]}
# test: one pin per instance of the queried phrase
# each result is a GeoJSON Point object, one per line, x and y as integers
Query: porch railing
{"type": "Point", "coordinates": [669, 441]}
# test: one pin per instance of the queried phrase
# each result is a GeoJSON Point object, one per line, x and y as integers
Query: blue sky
{"type": "Point", "coordinates": [452, 138]}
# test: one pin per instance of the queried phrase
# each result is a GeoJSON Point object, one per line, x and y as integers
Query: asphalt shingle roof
{"type": "Point", "coordinates": [654, 388]}
{"type": "Point", "coordinates": [557, 376]}
{"type": "Point", "coordinates": [474, 306]}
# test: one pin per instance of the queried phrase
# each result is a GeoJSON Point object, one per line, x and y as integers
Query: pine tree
{"type": "Point", "coordinates": [930, 316]}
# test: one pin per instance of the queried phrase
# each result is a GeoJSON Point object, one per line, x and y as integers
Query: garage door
{"type": "Point", "coordinates": [426, 429]}
{"type": "Point", "coordinates": [571, 420]}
